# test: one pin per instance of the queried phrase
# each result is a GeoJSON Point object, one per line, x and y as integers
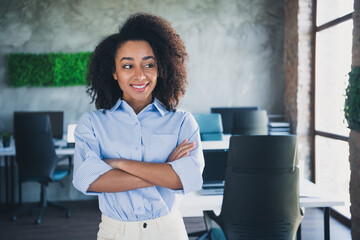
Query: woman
{"type": "Point", "coordinates": [137, 152]}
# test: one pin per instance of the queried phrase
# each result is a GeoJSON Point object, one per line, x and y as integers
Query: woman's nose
{"type": "Point", "coordinates": [139, 74]}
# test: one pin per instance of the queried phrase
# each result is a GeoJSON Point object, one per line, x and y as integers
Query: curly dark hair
{"type": "Point", "coordinates": [170, 54]}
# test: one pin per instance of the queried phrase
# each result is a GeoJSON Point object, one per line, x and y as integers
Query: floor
{"type": "Point", "coordinates": [83, 224]}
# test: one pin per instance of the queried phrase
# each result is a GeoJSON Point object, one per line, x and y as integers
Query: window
{"type": "Point", "coordinates": [333, 63]}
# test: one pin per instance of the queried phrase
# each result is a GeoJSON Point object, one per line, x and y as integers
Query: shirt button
{"type": "Point", "coordinates": [144, 225]}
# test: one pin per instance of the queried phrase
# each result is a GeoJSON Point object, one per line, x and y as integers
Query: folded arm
{"type": "Point", "coordinates": [117, 181]}
{"type": "Point", "coordinates": [93, 175]}
{"type": "Point", "coordinates": [160, 174]}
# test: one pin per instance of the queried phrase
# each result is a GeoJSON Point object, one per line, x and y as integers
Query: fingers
{"type": "Point", "coordinates": [182, 150]}
{"type": "Point", "coordinates": [184, 142]}
{"type": "Point", "coordinates": [185, 149]}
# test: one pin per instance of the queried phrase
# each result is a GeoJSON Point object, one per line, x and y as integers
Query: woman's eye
{"type": "Point", "coordinates": [127, 66]}
{"type": "Point", "coordinates": [149, 65]}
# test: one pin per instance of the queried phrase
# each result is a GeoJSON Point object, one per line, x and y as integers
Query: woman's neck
{"type": "Point", "coordinates": [138, 106]}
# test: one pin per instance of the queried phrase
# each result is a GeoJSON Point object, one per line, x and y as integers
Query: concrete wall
{"type": "Point", "coordinates": [235, 49]}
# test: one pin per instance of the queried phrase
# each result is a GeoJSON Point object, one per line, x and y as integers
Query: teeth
{"type": "Point", "coordinates": [139, 86]}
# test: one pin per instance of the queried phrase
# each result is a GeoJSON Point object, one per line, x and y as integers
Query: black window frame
{"type": "Point", "coordinates": [346, 221]}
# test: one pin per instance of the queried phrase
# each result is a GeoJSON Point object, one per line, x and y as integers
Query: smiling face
{"type": "Point", "coordinates": [136, 73]}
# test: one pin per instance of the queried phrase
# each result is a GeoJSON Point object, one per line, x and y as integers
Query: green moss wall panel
{"type": "Point", "coordinates": [53, 69]}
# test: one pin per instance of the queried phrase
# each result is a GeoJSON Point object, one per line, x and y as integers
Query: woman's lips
{"type": "Point", "coordinates": [139, 87]}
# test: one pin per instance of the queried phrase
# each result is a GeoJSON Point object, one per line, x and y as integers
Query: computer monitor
{"type": "Point", "coordinates": [215, 166]}
{"type": "Point", "coordinates": [227, 115]}
{"type": "Point", "coordinates": [56, 121]}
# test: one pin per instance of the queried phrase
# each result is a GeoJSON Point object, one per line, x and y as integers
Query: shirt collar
{"type": "Point", "coordinates": [159, 106]}
{"type": "Point", "coordinates": [117, 105]}
{"type": "Point", "coordinates": [156, 105]}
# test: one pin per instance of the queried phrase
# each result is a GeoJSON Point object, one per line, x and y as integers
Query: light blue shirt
{"type": "Point", "coordinates": [150, 136]}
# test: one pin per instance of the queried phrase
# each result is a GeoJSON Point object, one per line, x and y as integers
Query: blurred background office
{"type": "Point", "coordinates": [241, 53]}
{"type": "Point", "coordinates": [235, 49]}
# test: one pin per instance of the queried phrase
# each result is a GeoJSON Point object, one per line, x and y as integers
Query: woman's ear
{"type": "Point", "coordinates": [114, 76]}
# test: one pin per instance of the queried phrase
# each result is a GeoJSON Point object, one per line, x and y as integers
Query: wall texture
{"type": "Point", "coordinates": [235, 49]}
{"type": "Point", "coordinates": [298, 93]}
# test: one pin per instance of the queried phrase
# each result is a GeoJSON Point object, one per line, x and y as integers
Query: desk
{"type": "Point", "coordinates": [10, 151]}
{"type": "Point", "coordinates": [211, 145]}
{"type": "Point", "coordinates": [193, 204]}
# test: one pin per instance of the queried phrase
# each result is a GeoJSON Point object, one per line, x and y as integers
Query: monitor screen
{"type": "Point", "coordinates": [56, 121]}
{"type": "Point", "coordinates": [215, 165]}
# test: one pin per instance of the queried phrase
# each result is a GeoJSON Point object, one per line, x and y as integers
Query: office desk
{"type": "Point", "coordinates": [207, 145]}
{"type": "Point", "coordinates": [10, 151]}
{"type": "Point", "coordinates": [193, 204]}
{"type": "Point", "coordinates": [211, 145]}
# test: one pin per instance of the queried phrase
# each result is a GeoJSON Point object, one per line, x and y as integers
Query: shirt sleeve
{"type": "Point", "coordinates": [190, 168]}
{"type": "Point", "coordinates": [88, 165]}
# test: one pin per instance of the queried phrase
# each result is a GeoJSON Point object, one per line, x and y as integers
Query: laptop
{"type": "Point", "coordinates": [214, 172]}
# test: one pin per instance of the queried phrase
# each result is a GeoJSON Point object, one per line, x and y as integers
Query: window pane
{"type": "Point", "coordinates": [333, 169]}
{"type": "Point", "coordinates": [328, 10]}
{"type": "Point", "coordinates": [333, 63]}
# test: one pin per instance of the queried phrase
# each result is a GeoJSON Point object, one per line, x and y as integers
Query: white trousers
{"type": "Point", "coordinates": [168, 227]}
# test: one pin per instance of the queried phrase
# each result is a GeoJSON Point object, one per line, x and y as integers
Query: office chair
{"type": "Point", "coordinates": [250, 122]}
{"type": "Point", "coordinates": [227, 115]}
{"type": "Point", "coordinates": [36, 158]}
{"type": "Point", "coordinates": [261, 195]}
{"type": "Point", "coordinates": [210, 126]}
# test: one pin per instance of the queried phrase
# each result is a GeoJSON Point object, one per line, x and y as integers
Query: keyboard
{"type": "Point", "coordinates": [212, 190]}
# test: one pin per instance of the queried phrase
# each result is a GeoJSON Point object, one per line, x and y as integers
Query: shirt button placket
{"type": "Point", "coordinates": [137, 156]}
{"type": "Point", "coordinates": [138, 140]}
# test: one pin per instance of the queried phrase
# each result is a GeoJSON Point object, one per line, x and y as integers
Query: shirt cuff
{"type": "Point", "coordinates": [87, 173]}
{"type": "Point", "coordinates": [189, 174]}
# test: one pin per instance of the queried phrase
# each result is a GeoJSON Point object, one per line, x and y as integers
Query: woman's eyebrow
{"type": "Point", "coordinates": [148, 57]}
{"type": "Point", "coordinates": [132, 59]}
{"type": "Point", "coordinates": [126, 58]}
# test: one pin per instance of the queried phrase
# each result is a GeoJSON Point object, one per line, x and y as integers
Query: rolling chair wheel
{"type": "Point", "coordinates": [68, 213]}
{"type": "Point", "coordinates": [38, 221]}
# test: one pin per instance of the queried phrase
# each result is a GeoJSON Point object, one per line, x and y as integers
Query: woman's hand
{"type": "Point", "coordinates": [182, 150]}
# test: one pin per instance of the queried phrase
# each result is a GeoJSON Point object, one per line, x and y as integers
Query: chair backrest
{"type": "Point", "coordinates": [250, 122]}
{"type": "Point", "coordinates": [227, 115]}
{"type": "Point", "coordinates": [261, 195]}
{"type": "Point", "coordinates": [35, 151]}
{"type": "Point", "coordinates": [210, 126]}
{"type": "Point", "coordinates": [263, 152]}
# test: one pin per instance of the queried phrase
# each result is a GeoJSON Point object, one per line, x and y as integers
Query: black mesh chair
{"type": "Point", "coordinates": [261, 195]}
{"type": "Point", "coordinates": [250, 122]}
{"type": "Point", "coordinates": [36, 158]}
